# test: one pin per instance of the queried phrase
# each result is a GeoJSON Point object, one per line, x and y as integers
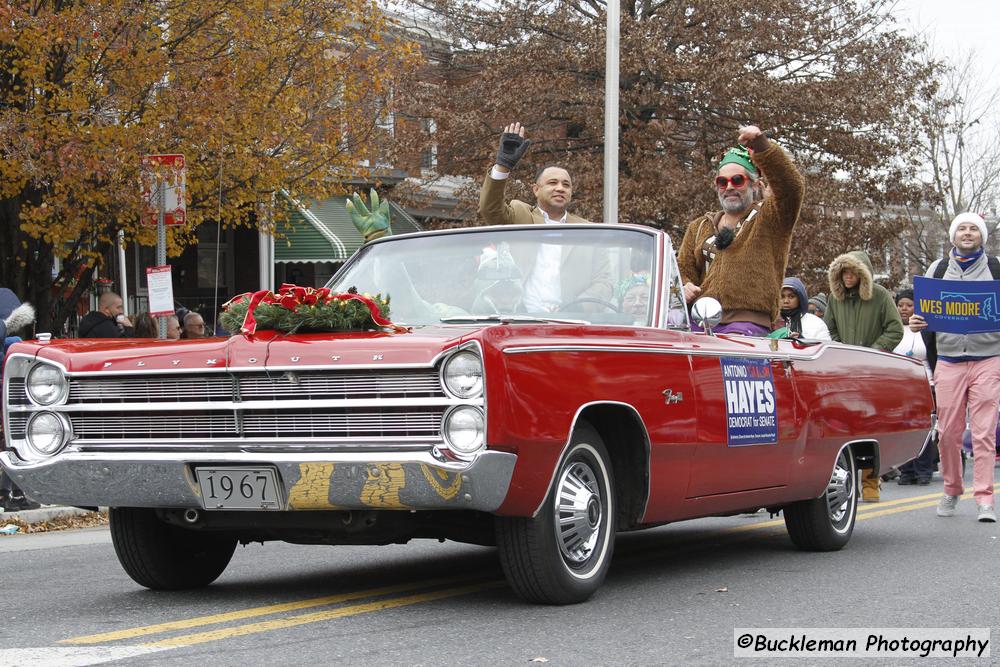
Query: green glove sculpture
{"type": "Point", "coordinates": [372, 224]}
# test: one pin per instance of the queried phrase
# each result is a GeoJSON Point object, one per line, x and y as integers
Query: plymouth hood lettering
{"type": "Point", "coordinates": [265, 350]}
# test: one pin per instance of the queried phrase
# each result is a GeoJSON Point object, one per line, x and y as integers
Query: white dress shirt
{"type": "Point", "coordinates": [542, 291]}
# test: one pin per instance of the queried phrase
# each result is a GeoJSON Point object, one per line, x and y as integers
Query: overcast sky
{"type": "Point", "coordinates": [957, 26]}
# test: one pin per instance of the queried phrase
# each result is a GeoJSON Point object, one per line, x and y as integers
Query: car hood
{"type": "Point", "coordinates": [266, 349]}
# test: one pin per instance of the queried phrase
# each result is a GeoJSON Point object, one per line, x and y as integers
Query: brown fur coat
{"type": "Point", "coordinates": [746, 277]}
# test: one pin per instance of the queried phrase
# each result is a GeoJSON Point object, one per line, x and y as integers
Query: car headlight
{"type": "Point", "coordinates": [465, 430]}
{"type": "Point", "coordinates": [46, 433]}
{"type": "Point", "coordinates": [463, 375]}
{"type": "Point", "coordinates": [46, 384]}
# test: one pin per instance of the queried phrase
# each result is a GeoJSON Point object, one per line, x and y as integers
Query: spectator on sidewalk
{"type": "Point", "coordinates": [920, 469]}
{"type": "Point", "coordinates": [108, 321]}
{"type": "Point", "coordinates": [146, 326]}
{"type": "Point", "coordinates": [861, 312]}
{"type": "Point", "coordinates": [966, 377]}
{"type": "Point", "coordinates": [194, 326]}
{"type": "Point", "coordinates": [173, 327]}
{"type": "Point", "coordinates": [794, 316]}
{"type": "Point", "coordinates": [738, 255]}
{"type": "Point", "coordinates": [817, 305]}
{"type": "Point", "coordinates": [15, 318]}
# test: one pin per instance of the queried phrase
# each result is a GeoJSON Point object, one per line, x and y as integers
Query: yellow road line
{"type": "Point", "coordinates": [868, 507]}
{"type": "Point", "coordinates": [253, 612]}
{"type": "Point", "coordinates": [866, 510]}
{"type": "Point", "coordinates": [317, 616]}
{"type": "Point", "coordinates": [869, 511]}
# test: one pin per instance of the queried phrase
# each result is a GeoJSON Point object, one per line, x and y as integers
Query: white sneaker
{"type": "Point", "coordinates": [947, 505]}
{"type": "Point", "coordinates": [986, 514]}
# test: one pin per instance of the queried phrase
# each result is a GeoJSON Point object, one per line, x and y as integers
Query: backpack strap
{"type": "Point", "coordinates": [991, 261]}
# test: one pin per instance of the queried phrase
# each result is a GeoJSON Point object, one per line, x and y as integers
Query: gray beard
{"type": "Point", "coordinates": [734, 206]}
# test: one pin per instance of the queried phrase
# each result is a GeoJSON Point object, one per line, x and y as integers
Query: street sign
{"type": "Point", "coordinates": [161, 290]}
{"type": "Point", "coordinates": [168, 170]}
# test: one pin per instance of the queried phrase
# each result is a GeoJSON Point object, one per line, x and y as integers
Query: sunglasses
{"type": "Point", "coordinates": [739, 181]}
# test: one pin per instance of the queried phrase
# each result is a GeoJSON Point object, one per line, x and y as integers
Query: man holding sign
{"type": "Point", "coordinates": [967, 372]}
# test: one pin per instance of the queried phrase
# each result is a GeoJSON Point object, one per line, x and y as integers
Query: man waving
{"type": "Point", "coordinates": [547, 286]}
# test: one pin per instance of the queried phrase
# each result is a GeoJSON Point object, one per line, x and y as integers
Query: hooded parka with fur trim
{"type": "Point", "coordinates": [866, 314]}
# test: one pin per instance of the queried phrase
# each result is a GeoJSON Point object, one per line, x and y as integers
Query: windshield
{"type": "Point", "coordinates": [592, 273]}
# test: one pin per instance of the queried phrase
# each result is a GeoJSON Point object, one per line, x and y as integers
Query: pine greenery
{"type": "Point", "coordinates": [337, 315]}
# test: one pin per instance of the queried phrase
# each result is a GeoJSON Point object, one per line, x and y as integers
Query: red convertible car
{"type": "Point", "coordinates": [544, 391]}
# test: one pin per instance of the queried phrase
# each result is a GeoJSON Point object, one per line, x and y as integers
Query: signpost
{"type": "Point", "coordinates": [163, 181]}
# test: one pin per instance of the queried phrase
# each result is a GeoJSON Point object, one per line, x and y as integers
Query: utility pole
{"type": "Point", "coordinates": [612, 44]}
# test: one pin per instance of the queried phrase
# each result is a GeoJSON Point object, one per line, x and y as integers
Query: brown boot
{"type": "Point", "coordinates": [870, 485]}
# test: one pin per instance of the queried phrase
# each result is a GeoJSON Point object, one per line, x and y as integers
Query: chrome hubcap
{"type": "Point", "coordinates": [578, 512]}
{"type": "Point", "coordinates": [840, 489]}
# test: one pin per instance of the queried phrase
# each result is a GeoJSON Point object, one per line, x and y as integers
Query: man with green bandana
{"type": "Point", "coordinates": [738, 255]}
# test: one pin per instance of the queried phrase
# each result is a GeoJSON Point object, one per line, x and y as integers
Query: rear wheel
{"type": "Point", "coordinates": [160, 556]}
{"type": "Point", "coordinates": [562, 555]}
{"type": "Point", "coordinates": [826, 523]}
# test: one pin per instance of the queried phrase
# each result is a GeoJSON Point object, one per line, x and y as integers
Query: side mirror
{"type": "Point", "coordinates": [706, 313]}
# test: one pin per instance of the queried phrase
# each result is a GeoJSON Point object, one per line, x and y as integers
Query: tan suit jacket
{"type": "Point", "coordinates": [493, 210]}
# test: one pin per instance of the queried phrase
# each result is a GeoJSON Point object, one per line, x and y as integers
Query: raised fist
{"type": "Point", "coordinates": [752, 137]}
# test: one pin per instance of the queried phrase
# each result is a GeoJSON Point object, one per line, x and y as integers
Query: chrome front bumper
{"type": "Point", "coordinates": [405, 480]}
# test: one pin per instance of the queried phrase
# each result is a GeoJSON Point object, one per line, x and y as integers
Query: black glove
{"type": "Point", "coordinates": [512, 148]}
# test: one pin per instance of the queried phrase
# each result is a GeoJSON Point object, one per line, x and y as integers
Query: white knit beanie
{"type": "Point", "coordinates": [974, 218]}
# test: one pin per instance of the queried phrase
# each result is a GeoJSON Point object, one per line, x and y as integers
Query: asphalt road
{"type": "Point", "coordinates": [673, 597]}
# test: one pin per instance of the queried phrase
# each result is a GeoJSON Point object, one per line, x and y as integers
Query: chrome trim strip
{"type": "Point", "coordinates": [371, 441]}
{"type": "Point", "coordinates": [285, 405]}
{"type": "Point", "coordinates": [200, 370]}
{"type": "Point", "coordinates": [820, 348]}
{"type": "Point", "coordinates": [528, 349]}
{"type": "Point", "coordinates": [236, 458]}
{"type": "Point", "coordinates": [263, 384]}
{"type": "Point", "coordinates": [257, 445]}
{"type": "Point", "coordinates": [502, 228]}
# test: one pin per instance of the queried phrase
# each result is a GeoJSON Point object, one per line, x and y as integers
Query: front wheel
{"type": "Point", "coordinates": [826, 523]}
{"type": "Point", "coordinates": [562, 555]}
{"type": "Point", "coordinates": [160, 556]}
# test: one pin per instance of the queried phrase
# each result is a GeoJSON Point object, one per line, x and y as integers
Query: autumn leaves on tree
{"type": "Point", "coordinates": [263, 96]}
{"type": "Point", "coordinates": [834, 82]}
{"type": "Point", "coordinates": [260, 96]}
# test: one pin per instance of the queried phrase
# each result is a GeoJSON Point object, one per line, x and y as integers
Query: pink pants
{"type": "Point", "coordinates": [972, 386]}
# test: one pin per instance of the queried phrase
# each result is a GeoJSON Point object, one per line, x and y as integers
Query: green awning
{"type": "Point", "coordinates": [323, 231]}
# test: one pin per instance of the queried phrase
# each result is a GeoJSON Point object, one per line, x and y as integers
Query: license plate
{"type": "Point", "coordinates": [239, 488]}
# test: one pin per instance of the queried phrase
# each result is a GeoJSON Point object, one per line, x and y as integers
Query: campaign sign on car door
{"type": "Point", "coordinates": [751, 401]}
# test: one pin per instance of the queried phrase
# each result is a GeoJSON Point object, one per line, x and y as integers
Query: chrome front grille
{"type": "Point", "coordinates": [16, 392]}
{"type": "Point", "coordinates": [354, 385]}
{"type": "Point", "coordinates": [304, 409]}
{"type": "Point", "coordinates": [279, 385]}
{"type": "Point", "coordinates": [295, 425]}
{"type": "Point", "coordinates": [101, 426]}
{"type": "Point", "coordinates": [151, 389]}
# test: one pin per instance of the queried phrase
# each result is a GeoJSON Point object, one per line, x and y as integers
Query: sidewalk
{"type": "Point", "coordinates": [43, 513]}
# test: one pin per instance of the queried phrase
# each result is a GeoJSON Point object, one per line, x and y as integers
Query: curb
{"type": "Point", "coordinates": [44, 513]}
